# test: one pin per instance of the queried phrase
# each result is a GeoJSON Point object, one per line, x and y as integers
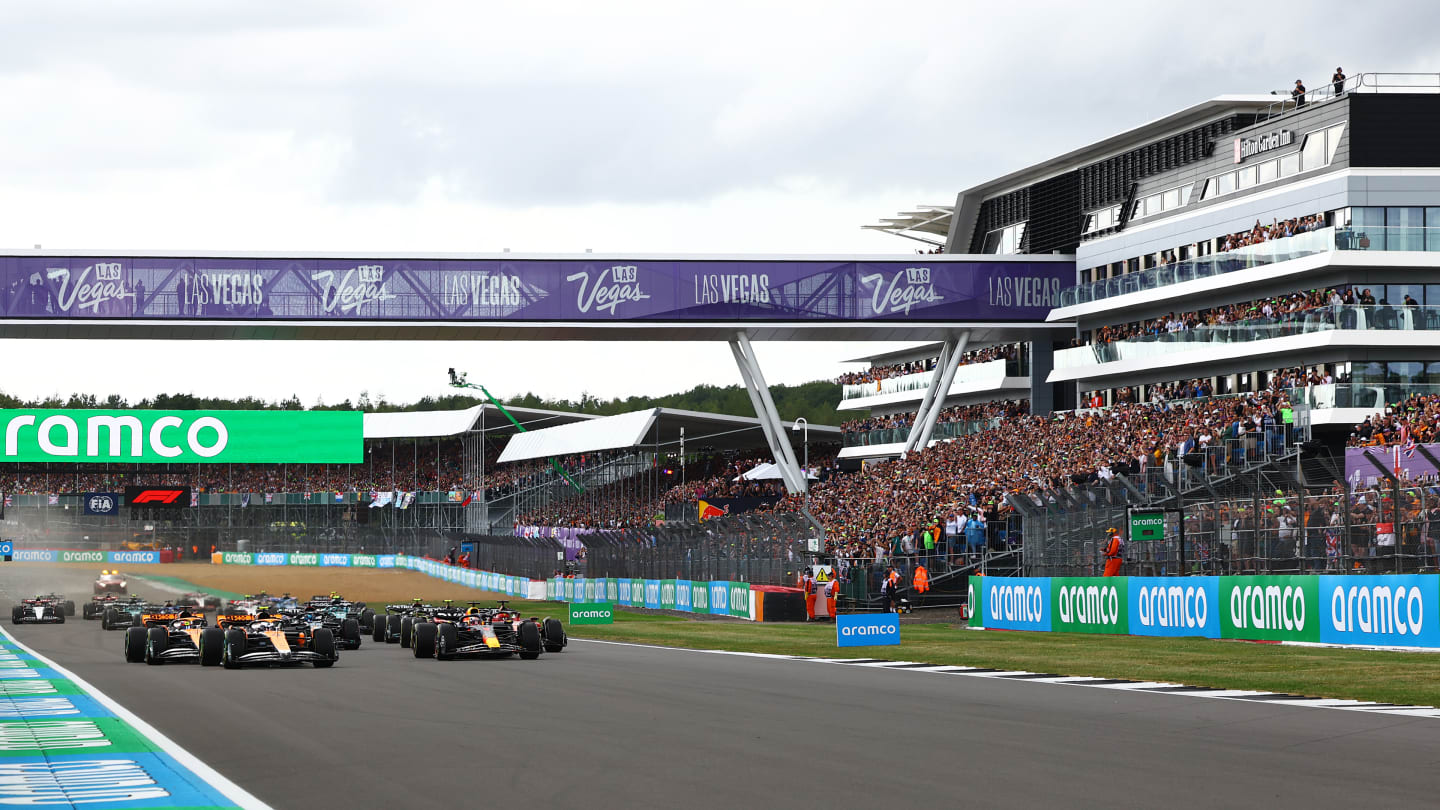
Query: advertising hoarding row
{"type": "Point", "coordinates": [520, 290]}
{"type": "Point", "coordinates": [1381, 610]}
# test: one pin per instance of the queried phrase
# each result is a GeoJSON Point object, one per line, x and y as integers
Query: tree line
{"type": "Point", "coordinates": [815, 401]}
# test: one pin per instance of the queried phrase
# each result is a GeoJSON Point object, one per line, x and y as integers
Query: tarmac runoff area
{"type": "Point", "coordinates": [620, 726]}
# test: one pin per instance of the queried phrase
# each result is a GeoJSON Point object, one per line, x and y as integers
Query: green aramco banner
{"type": "Point", "coordinates": [164, 437]}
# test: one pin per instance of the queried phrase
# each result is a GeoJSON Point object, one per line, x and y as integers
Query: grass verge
{"type": "Point", "coordinates": [1387, 677]}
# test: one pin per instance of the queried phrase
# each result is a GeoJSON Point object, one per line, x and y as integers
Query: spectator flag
{"type": "Point", "coordinates": [194, 497]}
{"type": "Point", "coordinates": [244, 500]}
{"type": "Point", "coordinates": [709, 511]}
{"type": "Point", "coordinates": [1407, 442]}
{"type": "Point", "coordinates": [469, 496]}
{"type": "Point", "coordinates": [54, 500]}
{"type": "Point", "coordinates": [378, 499]}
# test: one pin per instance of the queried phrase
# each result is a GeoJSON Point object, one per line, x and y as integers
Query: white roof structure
{"type": "Point", "coordinates": [439, 424]}
{"type": "Point", "coordinates": [607, 433]}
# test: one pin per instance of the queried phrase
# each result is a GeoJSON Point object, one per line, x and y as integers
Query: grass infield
{"type": "Point", "coordinates": [1387, 677]}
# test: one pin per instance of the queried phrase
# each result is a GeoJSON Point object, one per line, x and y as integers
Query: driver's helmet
{"type": "Point", "coordinates": [179, 624]}
{"type": "Point", "coordinates": [262, 627]}
{"type": "Point", "coordinates": [474, 611]}
{"type": "Point", "coordinates": [474, 620]}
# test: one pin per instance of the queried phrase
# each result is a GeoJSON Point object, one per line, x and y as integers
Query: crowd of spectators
{"type": "Point", "coordinates": [1008, 351]}
{"type": "Point", "coordinates": [1414, 419]}
{"type": "Point", "coordinates": [1280, 307]}
{"type": "Point", "coordinates": [1277, 229]}
{"type": "Point", "coordinates": [957, 413]}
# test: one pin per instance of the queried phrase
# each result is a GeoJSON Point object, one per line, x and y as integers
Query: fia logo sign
{"type": "Point", "coordinates": [101, 504]}
{"type": "Point", "coordinates": [901, 292]}
{"type": "Point", "coordinates": [611, 287]}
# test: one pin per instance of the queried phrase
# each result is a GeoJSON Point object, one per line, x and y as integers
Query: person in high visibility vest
{"type": "Point", "coordinates": [921, 582]}
{"type": "Point", "coordinates": [832, 588]}
{"type": "Point", "coordinates": [1112, 554]}
{"type": "Point", "coordinates": [807, 584]}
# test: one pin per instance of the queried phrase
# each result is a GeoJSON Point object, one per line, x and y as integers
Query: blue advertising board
{"type": "Point", "coordinates": [682, 595]}
{"type": "Point", "coordinates": [6, 548]}
{"type": "Point", "coordinates": [720, 598]}
{"type": "Point", "coordinates": [1017, 603]}
{"type": "Point", "coordinates": [100, 503]}
{"type": "Point", "coordinates": [867, 630]}
{"type": "Point", "coordinates": [133, 557]}
{"type": "Point", "coordinates": [1175, 606]}
{"type": "Point", "coordinates": [1385, 610]}
{"type": "Point", "coordinates": [652, 594]}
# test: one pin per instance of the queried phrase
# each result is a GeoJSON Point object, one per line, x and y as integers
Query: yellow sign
{"type": "Point", "coordinates": [822, 576]}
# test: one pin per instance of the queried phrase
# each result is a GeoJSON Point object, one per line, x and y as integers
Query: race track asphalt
{"type": "Point", "coordinates": [615, 726]}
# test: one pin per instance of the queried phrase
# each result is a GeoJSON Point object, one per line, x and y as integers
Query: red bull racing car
{"type": "Point", "coordinates": [486, 633]}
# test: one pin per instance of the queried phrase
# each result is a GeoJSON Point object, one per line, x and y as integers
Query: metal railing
{"type": "Point", "coordinates": [1359, 83]}
{"type": "Point", "coordinates": [993, 371]}
{"type": "Point", "coordinates": [1321, 319]}
{"type": "Point", "coordinates": [768, 549]}
{"type": "Point", "coordinates": [943, 430]}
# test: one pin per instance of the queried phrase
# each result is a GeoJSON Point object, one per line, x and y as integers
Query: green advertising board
{"type": "Point", "coordinates": [740, 599]}
{"type": "Point", "coordinates": [1090, 604]}
{"type": "Point", "coordinates": [1270, 608]}
{"type": "Point", "coordinates": [976, 602]}
{"type": "Point", "coordinates": [82, 556]}
{"type": "Point", "coordinates": [700, 597]}
{"type": "Point", "coordinates": [1146, 527]}
{"type": "Point", "coordinates": [667, 594]}
{"type": "Point", "coordinates": [304, 559]}
{"type": "Point", "coordinates": [176, 437]}
{"type": "Point", "coordinates": [364, 560]}
{"type": "Point", "coordinates": [237, 558]}
{"type": "Point", "coordinates": [592, 613]}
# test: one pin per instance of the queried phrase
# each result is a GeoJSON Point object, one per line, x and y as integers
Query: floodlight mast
{"type": "Point", "coordinates": [458, 381]}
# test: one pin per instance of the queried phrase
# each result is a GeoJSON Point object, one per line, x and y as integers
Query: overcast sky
{"type": "Point", "coordinates": [556, 127]}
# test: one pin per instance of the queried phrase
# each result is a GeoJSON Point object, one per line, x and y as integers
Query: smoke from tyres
{"type": "Point", "coordinates": [860, 630]}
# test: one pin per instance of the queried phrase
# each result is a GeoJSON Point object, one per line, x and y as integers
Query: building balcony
{"type": "Point", "coordinates": [1259, 262]}
{"type": "Point", "coordinates": [974, 381]}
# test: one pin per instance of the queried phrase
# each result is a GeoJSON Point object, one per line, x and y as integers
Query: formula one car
{"type": "Point", "coordinates": [123, 614]}
{"type": "Point", "coordinates": [169, 634]}
{"type": "Point", "coordinates": [394, 625]}
{"type": "Point", "coordinates": [111, 582]}
{"type": "Point", "coordinates": [487, 633]}
{"type": "Point", "coordinates": [196, 599]}
{"type": "Point", "coordinates": [43, 609]}
{"type": "Point", "coordinates": [98, 604]}
{"type": "Point", "coordinates": [338, 620]}
{"type": "Point", "coordinates": [266, 639]}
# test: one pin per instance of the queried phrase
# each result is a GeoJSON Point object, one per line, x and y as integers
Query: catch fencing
{"type": "Point", "coordinates": [768, 549]}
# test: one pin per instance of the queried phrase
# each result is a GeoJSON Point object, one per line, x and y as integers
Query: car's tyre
{"type": "Point", "coordinates": [446, 641]}
{"type": "Point", "coordinates": [15, 613]}
{"type": "Point", "coordinates": [377, 629]}
{"type": "Point", "coordinates": [323, 643]}
{"type": "Point", "coordinates": [60, 617]}
{"type": "Point", "coordinates": [135, 645]}
{"type": "Point", "coordinates": [554, 634]}
{"type": "Point", "coordinates": [407, 626]}
{"type": "Point", "coordinates": [422, 639]}
{"type": "Point", "coordinates": [530, 641]}
{"type": "Point", "coordinates": [234, 648]}
{"type": "Point", "coordinates": [212, 646]}
{"type": "Point", "coordinates": [367, 620]}
{"type": "Point", "coordinates": [110, 617]}
{"type": "Point", "coordinates": [392, 629]}
{"type": "Point", "coordinates": [88, 611]}
{"type": "Point", "coordinates": [69, 608]}
{"type": "Point", "coordinates": [156, 641]}
{"type": "Point", "coordinates": [350, 631]}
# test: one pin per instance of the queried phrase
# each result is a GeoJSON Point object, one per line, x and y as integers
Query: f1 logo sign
{"type": "Point", "coordinates": [162, 497]}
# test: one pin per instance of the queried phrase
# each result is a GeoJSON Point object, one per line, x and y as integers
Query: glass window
{"type": "Point", "coordinates": [1405, 228]}
{"type": "Point", "coordinates": [1332, 141]}
{"type": "Point", "coordinates": [1395, 293]}
{"type": "Point", "coordinates": [1432, 299]}
{"type": "Point", "coordinates": [1312, 152]}
{"type": "Point", "coordinates": [1269, 170]}
{"type": "Point", "coordinates": [1172, 199]}
{"type": "Point", "coordinates": [1225, 183]}
{"type": "Point", "coordinates": [1209, 189]}
{"type": "Point", "coordinates": [1432, 372]}
{"type": "Point", "coordinates": [1367, 372]}
{"type": "Point", "coordinates": [1290, 164]}
{"type": "Point", "coordinates": [1245, 178]}
{"type": "Point", "coordinates": [1405, 372]}
{"type": "Point", "coordinates": [1367, 217]}
{"type": "Point", "coordinates": [992, 242]}
{"type": "Point", "coordinates": [1432, 230]}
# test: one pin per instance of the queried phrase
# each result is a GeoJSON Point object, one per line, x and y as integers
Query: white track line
{"type": "Point", "coordinates": [1147, 687]}
{"type": "Point", "coordinates": [228, 789]}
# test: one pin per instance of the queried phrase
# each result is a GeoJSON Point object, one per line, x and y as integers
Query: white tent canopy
{"type": "Point", "coordinates": [419, 424]}
{"type": "Point", "coordinates": [768, 471]}
{"type": "Point", "coordinates": [609, 433]}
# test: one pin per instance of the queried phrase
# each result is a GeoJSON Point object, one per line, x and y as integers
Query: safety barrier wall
{"type": "Point", "coordinates": [71, 555]}
{"type": "Point", "coordinates": [1390, 610]}
{"type": "Point", "coordinates": [721, 598]}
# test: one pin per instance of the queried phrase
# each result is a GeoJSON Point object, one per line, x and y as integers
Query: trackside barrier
{"type": "Point", "coordinates": [521, 587]}
{"type": "Point", "coordinates": [70, 555]}
{"type": "Point", "coordinates": [1391, 610]}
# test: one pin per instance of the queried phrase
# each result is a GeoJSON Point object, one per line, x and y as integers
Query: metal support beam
{"type": "Point", "coordinates": [775, 436]}
{"type": "Point", "coordinates": [935, 376]}
{"type": "Point", "coordinates": [926, 428]}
